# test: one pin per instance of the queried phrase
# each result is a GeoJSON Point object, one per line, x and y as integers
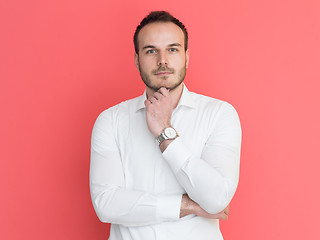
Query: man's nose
{"type": "Point", "coordinates": [162, 60]}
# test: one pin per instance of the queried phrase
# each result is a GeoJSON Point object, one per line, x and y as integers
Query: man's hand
{"type": "Point", "coordinates": [223, 215]}
{"type": "Point", "coordinates": [188, 206]}
{"type": "Point", "coordinates": [158, 110]}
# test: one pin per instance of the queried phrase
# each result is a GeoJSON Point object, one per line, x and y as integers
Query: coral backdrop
{"type": "Point", "coordinates": [63, 62]}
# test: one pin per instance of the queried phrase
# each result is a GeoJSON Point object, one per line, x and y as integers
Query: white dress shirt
{"type": "Point", "coordinates": [138, 188]}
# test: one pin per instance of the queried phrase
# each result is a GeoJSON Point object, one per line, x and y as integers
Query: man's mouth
{"type": "Point", "coordinates": [163, 73]}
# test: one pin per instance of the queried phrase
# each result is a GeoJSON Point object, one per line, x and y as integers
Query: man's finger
{"type": "Point", "coordinates": [157, 95]}
{"type": "Point", "coordinates": [224, 217]}
{"type": "Point", "coordinates": [147, 103]}
{"type": "Point", "coordinates": [164, 91]}
{"type": "Point", "coordinates": [227, 210]}
{"type": "Point", "coordinates": [152, 99]}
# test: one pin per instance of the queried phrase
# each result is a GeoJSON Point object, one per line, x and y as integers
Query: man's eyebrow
{"type": "Point", "coordinates": [175, 45]}
{"type": "Point", "coordinates": [170, 45]}
{"type": "Point", "coordinates": [148, 46]}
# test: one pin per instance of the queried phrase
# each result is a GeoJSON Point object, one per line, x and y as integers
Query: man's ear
{"type": "Point", "coordinates": [187, 58]}
{"type": "Point", "coordinates": [136, 61]}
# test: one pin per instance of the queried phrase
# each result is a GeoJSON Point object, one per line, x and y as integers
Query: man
{"type": "Point", "coordinates": [164, 165]}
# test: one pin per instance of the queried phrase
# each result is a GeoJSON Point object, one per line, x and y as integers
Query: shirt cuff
{"type": "Point", "coordinates": [176, 154]}
{"type": "Point", "coordinates": [168, 207]}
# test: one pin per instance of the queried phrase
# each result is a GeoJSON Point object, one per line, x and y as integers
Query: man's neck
{"type": "Point", "coordinates": [175, 94]}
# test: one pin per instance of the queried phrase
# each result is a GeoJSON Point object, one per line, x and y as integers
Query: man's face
{"type": "Point", "coordinates": [162, 59]}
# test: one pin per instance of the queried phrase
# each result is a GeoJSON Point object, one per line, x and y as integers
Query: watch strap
{"type": "Point", "coordinates": [161, 138]}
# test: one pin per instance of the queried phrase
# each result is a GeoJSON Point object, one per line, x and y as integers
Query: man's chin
{"type": "Point", "coordinates": [166, 85]}
{"type": "Point", "coordinates": [170, 88]}
{"type": "Point", "coordinates": [174, 87]}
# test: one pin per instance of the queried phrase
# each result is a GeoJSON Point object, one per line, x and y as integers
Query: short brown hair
{"type": "Point", "coordinates": [159, 16]}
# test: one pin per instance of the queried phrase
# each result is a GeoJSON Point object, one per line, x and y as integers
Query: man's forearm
{"type": "Point", "coordinates": [188, 206]}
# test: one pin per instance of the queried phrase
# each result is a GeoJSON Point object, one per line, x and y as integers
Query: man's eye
{"type": "Point", "coordinates": [172, 50]}
{"type": "Point", "coordinates": [151, 51]}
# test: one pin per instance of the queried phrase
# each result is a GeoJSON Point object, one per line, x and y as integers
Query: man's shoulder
{"type": "Point", "coordinates": [117, 117]}
{"type": "Point", "coordinates": [124, 107]}
{"type": "Point", "coordinates": [206, 101]}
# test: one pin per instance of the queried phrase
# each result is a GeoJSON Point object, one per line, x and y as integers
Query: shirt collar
{"type": "Point", "coordinates": [185, 99]}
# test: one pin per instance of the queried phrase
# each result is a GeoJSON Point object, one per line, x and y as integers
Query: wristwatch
{"type": "Point", "coordinates": [167, 133]}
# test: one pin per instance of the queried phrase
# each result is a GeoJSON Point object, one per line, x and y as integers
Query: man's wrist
{"type": "Point", "coordinates": [188, 206]}
{"type": "Point", "coordinates": [163, 146]}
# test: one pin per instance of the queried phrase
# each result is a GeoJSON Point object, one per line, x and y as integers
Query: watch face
{"type": "Point", "coordinates": [170, 132]}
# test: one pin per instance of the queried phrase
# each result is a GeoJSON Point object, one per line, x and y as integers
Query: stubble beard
{"type": "Point", "coordinates": [146, 78]}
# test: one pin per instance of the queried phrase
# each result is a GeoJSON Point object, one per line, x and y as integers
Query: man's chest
{"type": "Point", "coordinates": [144, 167]}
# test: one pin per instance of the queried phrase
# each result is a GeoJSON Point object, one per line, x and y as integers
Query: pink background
{"type": "Point", "coordinates": [63, 62]}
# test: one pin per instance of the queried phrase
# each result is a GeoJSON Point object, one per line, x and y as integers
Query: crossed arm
{"type": "Point", "coordinates": [159, 107]}
{"type": "Point", "coordinates": [116, 204]}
